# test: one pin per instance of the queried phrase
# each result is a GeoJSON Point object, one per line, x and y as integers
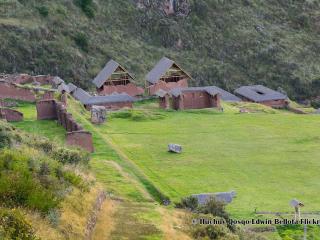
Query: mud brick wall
{"type": "Point", "coordinates": [183, 83]}
{"type": "Point", "coordinates": [81, 139]}
{"type": "Point", "coordinates": [131, 89]}
{"type": "Point", "coordinates": [76, 136]}
{"type": "Point", "coordinates": [11, 115]}
{"type": "Point", "coordinates": [46, 109]}
{"type": "Point", "coordinates": [9, 90]}
{"type": "Point", "coordinates": [47, 95]}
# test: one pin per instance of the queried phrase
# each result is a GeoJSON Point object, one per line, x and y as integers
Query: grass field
{"type": "Point", "coordinates": [267, 158]}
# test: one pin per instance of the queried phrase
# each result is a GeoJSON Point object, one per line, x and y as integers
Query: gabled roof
{"type": "Point", "coordinates": [212, 90]}
{"type": "Point", "coordinates": [81, 95]}
{"type": "Point", "coordinates": [259, 93]}
{"type": "Point", "coordinates": [160, 69]}
{"type": "Point", "coordinates": [114, 98]}
{"type": "Point", "coordinates": [63, 87]}
{"type": "Point", "coordinates": [72, 87]}
{"type": "Point", "coordinates": [106, 73]}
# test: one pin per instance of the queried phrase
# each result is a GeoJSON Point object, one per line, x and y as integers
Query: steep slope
{"type": "Point", "coordinates": [226, 43]}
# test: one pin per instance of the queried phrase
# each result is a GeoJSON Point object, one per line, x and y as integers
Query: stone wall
{"type": "Point", "coordinates": [152, 89]}
{"type": "Point", "coordinates": [130, 89]}
{"type": "Point", "coordinates": [76, 136]}
{"type": "Point", "coordinates": [11, 115]}
{"type": "Point", "coordinates": [46, 109]}
{"type": "Point", "coordinates": [81, 139]}
{"type": "Point", "coordinates": [9, 90]}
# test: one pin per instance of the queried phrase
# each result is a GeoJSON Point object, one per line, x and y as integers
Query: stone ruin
{"type": "Point", "coordinates": [98, 114]}
{"type": "Point", "coordinates": [76, 135]}
{"type": "Point", "coordinates": [8, 114]}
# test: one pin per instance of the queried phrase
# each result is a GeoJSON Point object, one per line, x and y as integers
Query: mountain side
{"type": "Point", "coordinates": [225, 43]}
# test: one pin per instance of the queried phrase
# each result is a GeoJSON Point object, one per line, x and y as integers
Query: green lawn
{"type": "Point", "coordinates": [267, 158]}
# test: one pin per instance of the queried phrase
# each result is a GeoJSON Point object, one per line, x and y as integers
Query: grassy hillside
{"type": "Point", "coordinates": [226, 43]}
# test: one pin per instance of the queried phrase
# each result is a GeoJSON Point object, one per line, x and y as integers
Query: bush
{"type": "Point", "coordinates": [87, 7]}
{"type": "Point", "coordinates": [190, 203]}
{"type": "Point", "coordinates": [43, 10]}
{"type": "Point", "coordinates": [71, 156]}
{"type": "Point", "coordinates": [82, 41]}
{"type": "Point", "coordinates": [75, 180]}
{"type": "Point", "coordinates": [14, 226]}
{"type": "Point", "coordinates": [5, 140]}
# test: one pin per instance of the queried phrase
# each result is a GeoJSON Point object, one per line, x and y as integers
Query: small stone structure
{"type": "Point", "coordinates": [76, 136]}
{"type": "Point", "coordinates": [11, 115]}
{"type": "Point", "coordinates": [98, 114]}
{"type": "Point", "coordinates": [175, 148]}
{"type": "Point", "coordinates": [190, 98]}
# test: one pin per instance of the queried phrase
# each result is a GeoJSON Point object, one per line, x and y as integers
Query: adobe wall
{"type": "Point", "coordinates": [196, 100]}
{"type": "Point", "coordinates": [9, 90]}
{"type": "Point", "coordinates": [152, 89]}
{"type": "Point", "coordinates": [11, 115]}
{"type": "Point", "coordinates": [131, 89]}
{"type": "Point", "coordinates": [164, 102]}
{"type": "Point", "coordinates": [46, 109]}
{"type": "Point", "coordinates": [81, 139]}
{"type": "Point", "coordinates": [275, 103]}
{"type": "Point", "coordinates": [76, 136]}
{"type": "Point", "coordinates": [47, 95]}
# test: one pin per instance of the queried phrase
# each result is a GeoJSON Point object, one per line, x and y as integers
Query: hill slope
{"type": "Point", "coordinates": [226, 43]}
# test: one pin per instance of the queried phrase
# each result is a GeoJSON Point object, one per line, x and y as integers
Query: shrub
{"type": "Point", "coordinates": [82, 41]}
{"type": "Point", "coordinates": [75, 180]}
{"type": "Point", "coordinates": [14, 226]}
{"type": "Point", "coordinates": [43, 10]}
{"type": "Point", "coordinates": [190, 203]}
{"type": "Point", "coordinates": [5, 140]}
{"type": "Point", "coordinates": [72, 156]}
{"type": "Point", "coordinates": [87, 7]}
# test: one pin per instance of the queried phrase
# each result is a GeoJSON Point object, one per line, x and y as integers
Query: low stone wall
{"type": "Point", "coordinates": [11, 115]}
{"type": "Point", "coordinates": [81, 139]}
{"type": "Point", "coordinates": [9, 90]}
{"type": "Point", "coordinates": [76, 136]}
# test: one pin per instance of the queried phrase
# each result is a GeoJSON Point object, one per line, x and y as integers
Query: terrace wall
{"type": "Point", "coordinates": [76, 136]}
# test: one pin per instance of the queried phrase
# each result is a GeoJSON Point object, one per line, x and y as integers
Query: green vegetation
{"type": "Point", "coordinates": [226, 43]}
{"type": "Point", "coordinates": [36, 176]}
{"type": "Point", "coordinates": [263, 156]}
{"type": "Point", "coordinates": [296, 232]}
{"type": "Point", "coordinates": [267, 160]}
